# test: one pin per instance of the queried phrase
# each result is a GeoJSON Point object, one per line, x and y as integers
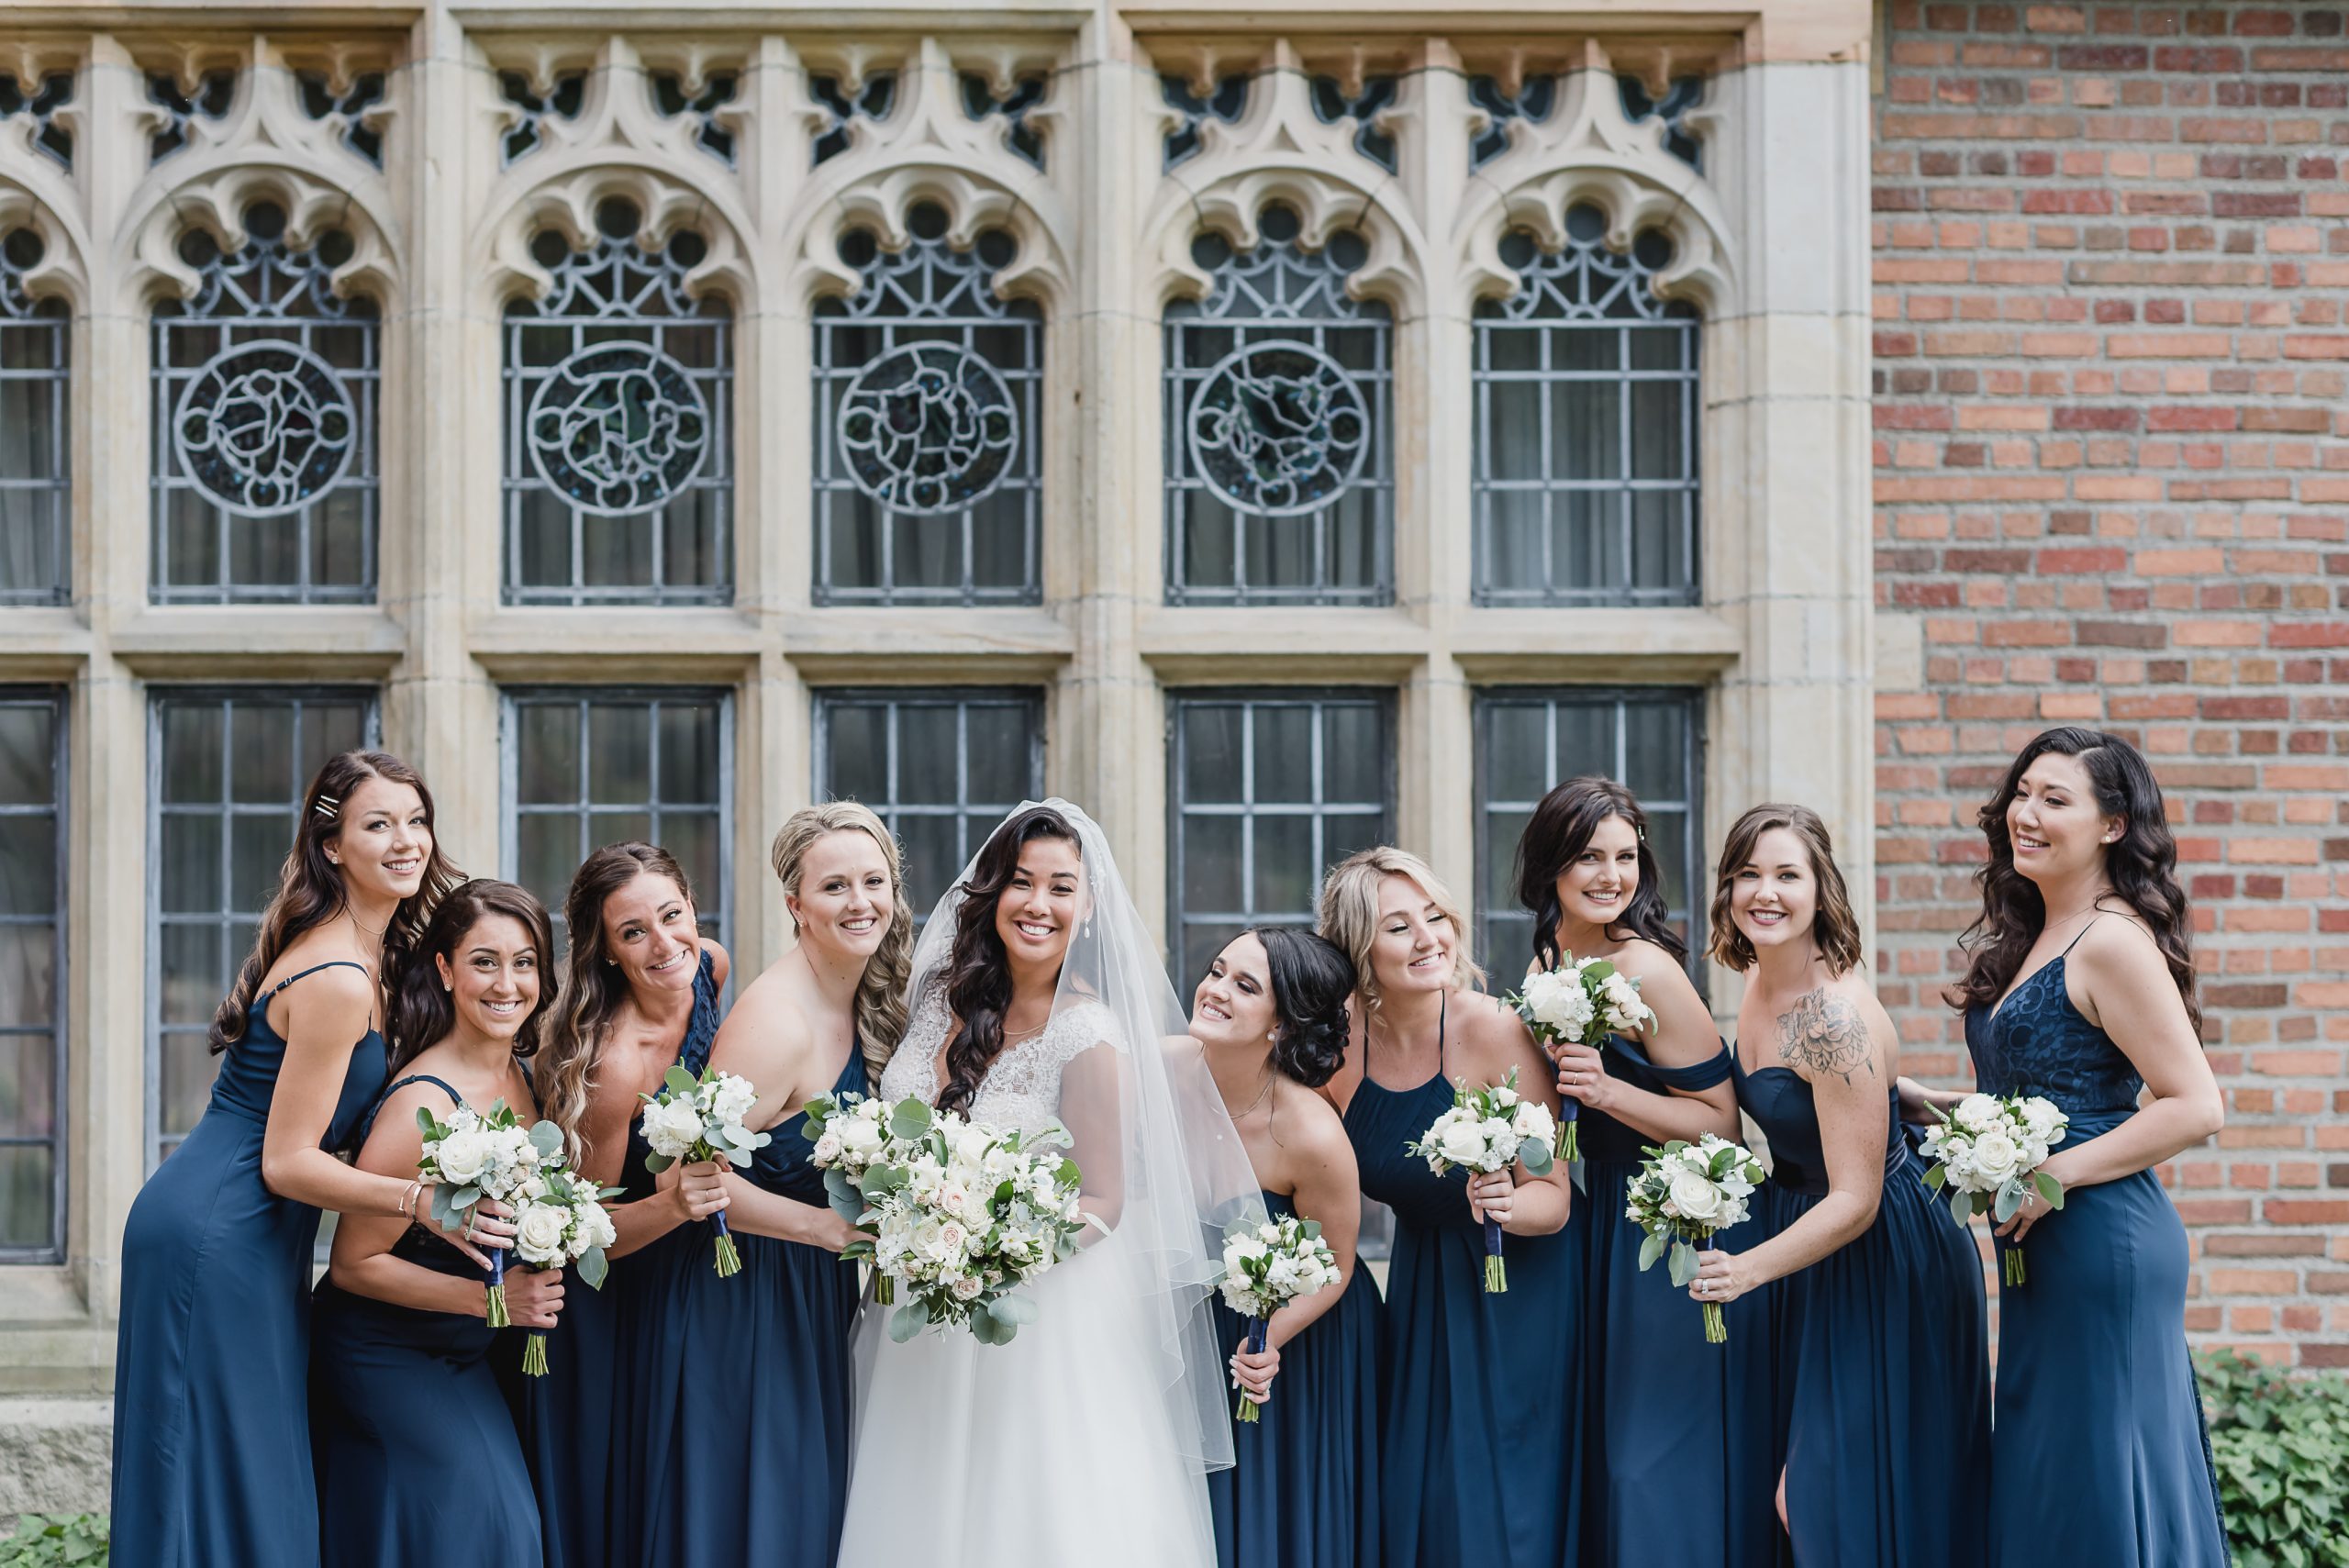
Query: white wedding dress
{"type": "Point", "coordinates": [1055, 1451]}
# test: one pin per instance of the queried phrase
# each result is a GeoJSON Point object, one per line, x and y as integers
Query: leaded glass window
{"type": "Point", "coordinates": [1587, 467]}
{"type": "Point", "coordinates": [587, 767]}
{"type": "Point", "coordinates": [619, 437]}
{"type": "Point", "coordinates": [227, 772]}
{"type": "Point", "coordinates": [265, 469]}
{"type": "Point", "coordinates": [1531, 739]}
{"type": "Point", "coordinates": [36, 494]}
{"type": "Point", "coordinates": [32, 974]}
{"type": "Point", "coordinates": [927, 451]}
{"type": "Point", "coordinates": [941, 767]}
{"type": "Point", "coordinates": [1267, 790]}
{"type": "Point", "coordinates": [1279, 480]}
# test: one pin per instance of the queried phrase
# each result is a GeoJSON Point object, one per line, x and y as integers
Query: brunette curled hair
{"type": "Point", "coordinates": [978, 972]}
{"type": "Point", "coordinates": [1559, 830]}
{"type": "Point", "coordinates": [596, 988]}
{"type": "Point", "coordinates": [2142, 866]}
{"type": "Point", "coordinates": [310, 889]}
{"type": "Point", "coordinates": [1311, 982]}
{"type": "Point", "coordinates": [1834, 929]}
{"type": "Point", "coordinates": [422, 1011]}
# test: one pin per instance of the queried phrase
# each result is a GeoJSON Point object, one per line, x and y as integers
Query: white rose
{"type": "Point", "coordinates": [1997, 1157]}
{"type": "Point", "coordinates": [672, 1128]}
{"type": "Point", "coordinates": [1462, 1143]}
{"type": "Point", "coordinates": [1533, 1120]}
{"type": "Point", "coordinates": [953, 1237]}
{"type": "Point", "coordinates": [594, 1229]}
{"type": "Point", "coordinates": [857, 1136]}
{"type": "Point", "coordinates": [967, 1287]}
{"type": "Point", "coordinates": [538, 1233]}
{"type": "Point", "coordinates": [2046, 1123]}
{"type": "Point", "coordinates": [828, 1148]}
{"type": "Point", "coordinates": [1695, 1196]}
{"type": "Point", "coordinates": [463, 1155]}
{"type": "Point", "coordinates": [1977, 1113]}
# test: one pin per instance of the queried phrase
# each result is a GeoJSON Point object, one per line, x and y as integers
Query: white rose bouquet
{"type": "Point", "coordinates": [1267, 1266]}
{"type": "Point", "coordinates": [561, 1220]}
{"type": "Point", "coordinates": [1683, 1194]}
{"type": "Point", "coordinates": [851, 1136]}
{"type": "Point", "coordinates": [1581, 1002]}
{"type": "Point", "coordinates": [1486, 1130]}
{"type": "Point", "coordinates": [962, 1217]}
{"type": "Point", "coordinates": [695, 1120]}
{"type": "Point", "coordinates": [1987, 1155]}
{"type": "Point", "coordinates": [475, 1155]}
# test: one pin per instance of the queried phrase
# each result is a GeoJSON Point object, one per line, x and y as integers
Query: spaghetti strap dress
{"type": "Point", "coordinates": [1673, 1436]}
{"type": "Point", "coordinates": [212, 1356]}
{"type": "Point", "coordinates": [2099, 1453]}
{"type": "Point", "coordinates": [417, 1459]}
{"type": "Point", "coordinates": [1304, 1489]}
{"type": "Point", "coordinates": [1476, 1389]}
{"type": "Point", "coordinates": [1881, 1357]}
{"type": "Point", "coordinates": [762, 1475]}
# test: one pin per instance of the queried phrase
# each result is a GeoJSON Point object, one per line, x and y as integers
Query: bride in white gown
{"type": "Point", "coordinates": [1038, 999]}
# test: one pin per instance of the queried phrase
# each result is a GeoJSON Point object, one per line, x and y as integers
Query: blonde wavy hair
{"type": "Point", "coordinates": [881, 1001]}
{"type": "Point", "coordinates": [1348, 915]}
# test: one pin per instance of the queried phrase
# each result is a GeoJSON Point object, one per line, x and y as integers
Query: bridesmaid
{"type": "Point", "coordinates": [417, 1460]}
{"type": "Point", "coordinates": [1663, 1415]}
{"type": "Point", "coordinates": [640, 996]}
{"type": "Point", "coordinates": [765, 1478]}
{"type": "Point", "coordinates": [211, 1431]}
{"type": "Point", "coordinates": [1474, 1439]}
{"type": "Point", "coordinates": [1271, 1015]}
{"type": "Point", "coordinates": [2079, 986]}
{"type": "Point", "coordinates": [1882, 1348]}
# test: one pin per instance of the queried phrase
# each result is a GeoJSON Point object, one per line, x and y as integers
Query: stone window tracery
{"type": "Point", "coordinates": [36, 387]}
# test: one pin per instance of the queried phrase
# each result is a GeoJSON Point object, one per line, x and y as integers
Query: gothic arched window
{"type": "Point", "coordinates": [1279, 473]}
{"type": "Point", "coordinates": [265, 460]}
{"type": "Point", "coordinates": [619, 443]}
{"type": "Point", "coordinates": [36, 491]}
{"type": "Point", "coordinates": [1586, 479]}
{"type": "Point", "coordinates": [927, 457]}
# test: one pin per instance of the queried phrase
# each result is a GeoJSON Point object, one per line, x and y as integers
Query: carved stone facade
{"type": "Point", "coordinates": [441, 161]}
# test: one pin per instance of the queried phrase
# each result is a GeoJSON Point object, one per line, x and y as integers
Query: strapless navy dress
{"type": "Point", "coordinates": [753, 1468]}
{"type": "Point", "coordinates": [1304, 1490]}
{"type": "Point", "coordinates": [212, 1357]}
{"type": "Point", "coordinates": [1881, 1358]}
{"type": "Point", "coordinates": [2100, 1454]}
{"type": "Point", "coordinates": [416, 1455]}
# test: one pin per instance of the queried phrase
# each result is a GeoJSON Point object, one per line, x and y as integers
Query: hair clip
{"type": "Point", "coordinates": [327, 806]}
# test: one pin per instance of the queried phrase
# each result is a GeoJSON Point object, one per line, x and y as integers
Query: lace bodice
{"type": "Point", "coordinates": [1022, 1090]}
{"type": "Point", "coordinates": [2037, 1042]}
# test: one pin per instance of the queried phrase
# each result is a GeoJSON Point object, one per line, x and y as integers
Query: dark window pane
{"type": "Point", "coordinates": [547, 757]}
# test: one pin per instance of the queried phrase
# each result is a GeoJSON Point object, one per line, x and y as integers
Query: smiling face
{"type": "Point", "coordinates": [1414, 947]}
{"type": "Point", "coordinates": [1233, 1004]}
{"type": "Point", "coordinates": [648, 931]}
{"type": "Point", "coordinates": [384, 840]}
{"type": "Point", "coordinates": [1595, 886]}
{"type": "Point", "coordinates": [1775, 894]}
{"type": "Point", "coordinates": [843, 904]}
{"type": "Point", "coordinates": [2053, 822]}
{"type": "Point", "coordinates": [491, 973]}
{"type": "Point", "coordinates": [1039, 909]}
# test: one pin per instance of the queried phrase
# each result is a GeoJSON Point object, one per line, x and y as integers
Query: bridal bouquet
{"type": "Point", "coordinates": [561, 1220]}
{"type": "Point", "coordinates": [475, 1155]}
{"type": "Point", "coordinates": [1581, 1002]}
{"type": "Point", "coordinates": [696, 1120]}
{"type": "Point", "coordinates": [1683, 1194]}
{"type": "Point", "coordinates": [1486, 1130]}
{"type": "Point", "coordinates": [852, 1135]}
{"type": "Point", "coordinates": [1267, 1266]}
{"type": "Point", "coordinates": [1987, 1155]}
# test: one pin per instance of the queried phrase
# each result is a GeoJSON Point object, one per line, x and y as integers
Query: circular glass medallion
{"type": "Point", "coordinates": [265, 427]}
{"type": "Point", "coordinates": [1279, 428]}
{"type": "Point", "coordinates": [618, 427]}
{"type": "Point", "coordinates": [928, 427]}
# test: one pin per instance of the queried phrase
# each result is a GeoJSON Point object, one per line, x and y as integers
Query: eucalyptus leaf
{"type": "Point", "coordinates": [1015, 1309]}
{"type": "Point", "coordinates": [2049, 1188]}
{"type": "Point", "coordinates": [1934, 1178]}
{"type": "Point", "coordinates": [680, 1080]}
{"type": "Point", "coordinates": [2010, 1200]}
{"type": "Point", "coordinates": [593, 1266]}
{"type": "Point", "coordinates": [1535, 1153]}
{"type": "Point", "coordinates": [656, 1164]}
{"type": "Point", "coordinates": [424, 1120]}
{"type": "Point", "coordinates": [1961, 1205]}
{"type": "Point", "coordinates": [910, 1119]}
{"type": "Point", "coordinates": [907, 1321]}
{"type": "Point", "coordinates": [1684, 1262]}
{"type": "Point", "coordinates": [547, 1138]}
{"type": "Point", "coordinates": [1651, 1250]}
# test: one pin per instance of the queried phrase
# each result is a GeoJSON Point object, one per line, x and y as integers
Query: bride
{"type": "Point", "coordinates": [1038, 998]}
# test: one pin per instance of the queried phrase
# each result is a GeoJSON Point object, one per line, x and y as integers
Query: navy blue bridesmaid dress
{"type": "Point", "coordinates": [416, 1455]}
{"type": "Point", "coordinates": [212, 1358]}
{"type": "Point", "coordinates": [1304, 1491]}
{"type": "Point", "coordinates": [760, 1473]}
{"type": "Point", "coordinates": [2100, 1454]}
{"type": "Point", "coordinates": [1882, 1358]}
{"type": "Point", "coordinates": [1674, 1436]}
{"type": "Point", "coordinates": [1476, 1395]}
{"type": "Point", "coordinates": [585, 1462]}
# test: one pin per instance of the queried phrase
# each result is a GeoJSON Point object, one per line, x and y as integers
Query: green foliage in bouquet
{"type": "Point", "coordinates": [2281, 1444]}
{"type": "Point", "coordinates": [57, 1541]}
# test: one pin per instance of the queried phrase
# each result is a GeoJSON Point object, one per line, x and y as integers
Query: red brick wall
{"type": "Point", "coordinates": [2112, 254]}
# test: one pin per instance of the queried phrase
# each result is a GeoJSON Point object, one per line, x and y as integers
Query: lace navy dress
{"type": "Point", "coordinates": [2100, 1454]}
{"type": "Point", "coordinates": [212, 1358]}
{"type": "Point", "coordinates": [1881, 1358]}
{"type": "Point", "coordinates": [1304, 1491]}
{"type": "Point", "coordinates": [1475, 1397]}
{"type": "Point", "coordinates": [416, 1455]}
{"type": "Point", "coordinates": [585, 1461]}
{"type": "Point", "coordinates": [753, 1467]}
{"type": "Point", "coordinates": [1673, 1438]}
